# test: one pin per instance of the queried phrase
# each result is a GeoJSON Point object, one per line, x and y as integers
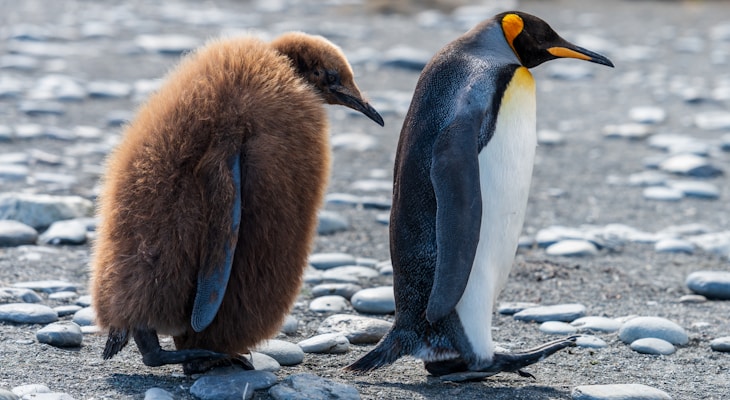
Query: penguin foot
{"type": "Point", "coordinates": [202, 365]}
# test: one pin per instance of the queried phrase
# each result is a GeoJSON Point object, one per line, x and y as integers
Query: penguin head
{"type": "Point", "coordinates": [324, 66]}
{"type": "Point", "coordinates": [535, 42]}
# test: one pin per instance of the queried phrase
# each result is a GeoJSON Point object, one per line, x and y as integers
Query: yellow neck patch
{"type": "Point", "coordinates": [512, 25]}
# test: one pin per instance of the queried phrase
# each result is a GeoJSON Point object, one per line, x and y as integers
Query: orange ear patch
{"type": "Point", "coordinates": [512, 25]}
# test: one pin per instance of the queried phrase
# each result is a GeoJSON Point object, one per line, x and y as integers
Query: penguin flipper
{"type": "Point", "coordinates": [455, 179]}
{"type": "Point", "coordinates": [212, 284]}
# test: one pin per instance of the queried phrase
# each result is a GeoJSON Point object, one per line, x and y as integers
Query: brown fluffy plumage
{"type": "Point", "coordinates": [168, 191]}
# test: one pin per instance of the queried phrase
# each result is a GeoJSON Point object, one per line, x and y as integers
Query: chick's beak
{"type": "Point", "coordinates": [569, 50]}
{"type": "Point", "coordinates": [352, 99]}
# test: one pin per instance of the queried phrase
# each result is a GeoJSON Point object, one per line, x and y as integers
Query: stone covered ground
{"type": "Point", "coordinates": [631, 169]}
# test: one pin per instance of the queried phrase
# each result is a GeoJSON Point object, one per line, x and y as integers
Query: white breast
{"type": "Point", "coordinates": [505, 171]}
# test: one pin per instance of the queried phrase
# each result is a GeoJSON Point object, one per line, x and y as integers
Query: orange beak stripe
{"type": "Point", "coordinates": [562, 52]}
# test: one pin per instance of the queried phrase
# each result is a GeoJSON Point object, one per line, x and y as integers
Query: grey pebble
{"type": "Point", "coordinates": [331, 303]}
{"type": "Point", "coordinates": [713, 120]}
{"type": "Point", "coordinates": [167, 44]}
{"type": "Point", "coordinates": [51, 396]}
{"type": "Point", "coordinates": [33, 388]}
{"type": "Point", "coordinates": [329, 343]}
{"type": "Point", "coordinates": [711, 284]}
{"type": "Point", "coordinates": [627, 131]}
{"type": "Point", "coordinates": [108, 89]}
{"type": "Point", "coordinates": [702, 190]}
{"type": "Point", "coordinates": [674, 246]}
{"type": "Point", "coordinates": [557, 328]}
{"type": "Point", "coordinates": [549, 137]}
{"type": "Point", "coordinates": [311, 387]}
{"type": "Point", "coordinates": [60, 334]}
{"type": "Point", "coordinates": [345, 290]}
{"type": "Point", "coordinates": [377, 300]}
{"type": "Point", "coordinates": [721, 344]}
{"type": "Point", "coordinates": [63, 296]}
{"type": "Point", "coordinates": [285, 353]}
{"type": "Point", "coordinates": [652, 346]}
{"type": "Point", "coordinates": [559, 312]}
{"type": "Point", "coordinates": [158, 394]}
{"type": "Point", "coordinates": [7, 395]}
{"type": "Point", "coordinates": [597, 324]}
{"type": "Point", "coordinates": [715, 242]}
{"type": "Point", "coordinates": [69, 232]}
{"type": "Point", "coordinates": [329, 222]}
{"type": "Point", "coordinates": [692, 299]}
{"type": "Point", "coordinates": [15, 233]}
{"type": "Point", "coordinates": [572, 248]}
{"type": "Point", "coordinates": [652, 327]}
{"type": "Point", "coordinates": [35, 108]}
{"type": "Point", "coordinates": [63, 311]}
{"type": "Point", "coordinates": [330, 260]}
{"type": "Point", "coordinates": [12, 172]}
{"type": "Point", "coordinates": [349, 274]}
{"type": "Point", "coordinates": [85, 316]}
{"type": "Point", "coordinates": [628, 391]}
{"type": "Point", "coordinates": [662, 193]}
{"type": "Point", "coordinates": [357, 329]}
{"type": "Point", "coordinates": [263, 362]}
{"type": "Point", "coordinates": [24, 313]}
{"type": "Point", "coordinates": [648, 115]}
{"type": "Point", "coordinates": [689, 165]}
{"type": "Point", "coordinates": [84, 301]}
{"type": "Point", "coordinates": [117, 118]}
{"type": "Point", "coordinates": [48, 286]}
{"type": "Point", "coordinates": [235, 386]}
{"type": "Point", "coordinates": [40, 211]}
{"type": "Point", "coordinates": [514, 307]}
{"type": "Point", "coordinates": [290, 325]}
{"type": "Point", "coordinates": [24, 295]}
{"type": "Point", "coordinates": [372, 185]}
{"type": "Point", "coordinates": [590, 342]}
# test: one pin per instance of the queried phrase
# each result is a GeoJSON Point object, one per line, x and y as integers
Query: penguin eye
{"type": "Point", "coordinates": [332, 77]}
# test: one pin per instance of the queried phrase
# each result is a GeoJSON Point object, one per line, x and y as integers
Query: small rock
{"type": "Point", "coordinates": [34, 388]}
{"type": "Point", "coordinates": [331, 222]}
{"type": "Point", "coordinates": [514, 307]}
{"type": "Point", "coordinates": [721, 344]}
{"type": "Point", "coordinates": [6, 395]}
{"type": "Point", "coordinates": [377, 300]}
{"type": "Point", "coordinates": [330, 260]}
{"type": "Point", "coordinates": [716, 242]}
{"type": "Point", "coordinates": [158, 394]}
{"type": "Point", "coordinates": [590, 342]}
{"type": "Point", "coordinates": [693, 299]}
{"type": "Point", "coordinates": [35, 108]}
{"type": "Point", "coordinates": [652, 327]}
{"type": "Point", "coordinates": [310, 387]}
{"type": "Point", "coordinates": [627, 131]}
{"type": "Point", "coordinates": [49, 286]}
{"type": "Point", "coordinates": [328, 304]}
{"type": "Point", "coordinates": [40, 211]}
{"type": "Point", "coordinates": [345, 290]}
{"type": "Point", "coordinates": [64, 232]}
{"type": "Point", "coordinates": [572, 248]}
{"type": "Point", "coordinates": [697, 189]}
{"type": "Point", "coordinates": [557, 328]}
{"type": "Point", "coordinates": [85, 316]}
{"type": "Point", "coordinates": [290, 325]}
{"type": "Point", "coordinates": [550, 138]}
{"type": "Point", "coordinates": [661, 193]}
{"type": "Point", "coordinates": [63, 311]}
{"type": "Point", "coordinates": [357, 329]}
{"type": "Point", "coordinates": [84, 301]}
{"type": "Point", "coordinates": [711, 284]}
{"type": "Point", "coordinates": [674, 246]}
{"type": "Point", "coordinates": [630, 391]}
{"type": "Point", "coordinates": [24, 313]}
{"type": "Point", "coordinates": [14, 233]}
{"type": "Point", "coordinates": [329, 343]}
{"type": "Point", "coordinates": [689, 165]}
{"type": "Point", "coordinates": [597, 324]}
{"type": "Point", "coordinates": [560, 312]}
{"type": "Point", "coordinates": [353, 141]}
{"type": "Point", "coordinates": [285, 353]}
{"type": "Point", "coordinates": [60, 334]}
{"type": "Point", "coordinates": [24, 295]}
{"type": "Point", "coordinates": [167, 44]}
{"type": "Point", "coordinates": [713, 120]}
{"type": "Point", "coordinates": [109, 89]}
{"type": "Point", "coordinates": [234, 386]}
{"type": "Point", "coordinates": [63, 296]}
{"type": "Point", "coordinates": [648, 115]}
{"type": "Point", "coordinates": [349, 274]}
{"type": "Point", "coordinates": [652, 346]}
{"type": "Point", "coordinates": [263, 362]}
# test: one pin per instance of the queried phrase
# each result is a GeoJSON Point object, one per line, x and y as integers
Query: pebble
{"type": "Point", "coordinates": [49, 286]}
{"type": "Point", "coordinates": [40, 210]}
{"type": "Point", "coordinates": [329, 343]}
{"type": "Point", "coordinates": [14, 233]}
{"type": "Point", "coordinates": [84, 301]}
{"type": "Point", "coordinates": [85, 316]}
{"type": "Point", "coordinates": [514, 307]}
{"type": "Point", "coordinates": [590, 342]}
{"type": "Point", "coordinates": [721, 344]}
{"type": "Point", "coordinates": [557, 328]}
{"type": "Point", "coordinates": [234, 386]}
{"type": "Point", "coordinates": [559, 312]}
{"type": "Point", "coordinates": [310, 387]}
{"type": "Point", "coordinates": [290, 325]}
{"type": "Point", "coordinates": [10, 172]}
{"type": "Point", "coordinates": [30, 389]}
{"type": "Point", "coordinates": [597, 324]}
{"type": "Point", "coordinates": [674, 246]}
{"type": "Point", "coordinates": [63, 311]}
{"type": "Point", "coordinates": [285, 353]}
{"type": "Point", "coordinates": [24, 295]}
{"type": "Point", "coordinates": [652, 327]}
{"type": "Point", "coordinates": [357, 329]}
{"type": "Point", "coordinates": [627, 391]}
{"type": "Point", "coordinates": [648, 115]}
{"type": "Point", "coordinates": [353, 141]}
{"type": "Point", "coordinates": [377, 300]}
{"type": "Point", "coordinates": [109, 89]}
{"type": "Point", "coordinates": [702, 190]}
{"type": "Point", "coordinates": [689, 165]}
{"type": "Point", "coordinates": [716, 242]}
{"type": "Point", "coordinates": [167, 44]}
{"type": "Point", "coordinates": [263, 362]}
{"type": "Point", "coordinates": [349, 274]}
{"type": "Point", "coordinates": [711, 284]}
{"type": "Point", "coordinates": [67, 232]}
{"type": "Point", "coordinates": [345, 290]}
{"type": "Point", "coordinates": [549, 137]}
{"type": "Point", "coordinates": [24, 313]}
{"type": "Point", "coordinates": [63, 296]}
{"type": "Point", "coordinates": [329, 222]}
{"type": "Point", "coordinates": [693, 299]}
{"type": "Point", "coordinates": [332, 303]}
{"type": "Point", "coordinates": [330, 260]}
{"type": "Point", "coordinates": [6, 395]}
{"type": "Point", "coordinates": [713, 120]}
{"type": "Point", "coordinates": [572, 248]}
{"type": "Point", "coordinates": [662, 193]}
{"type": "Point", "coordinates": [158, 394]}
{"type": "Point", "coordinates": [627, 131]}
{"type": "Point", "coordinates": [60, 334]}
{"type": "Point", "coordinates": [36, 108]}
{"type": "Point", "coordinates": [652, 346]}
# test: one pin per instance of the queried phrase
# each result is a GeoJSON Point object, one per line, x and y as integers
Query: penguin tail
{"type": "Point", "coordinates": [391, 348]}
{"type": "Point", "coordinates": [118, 338]}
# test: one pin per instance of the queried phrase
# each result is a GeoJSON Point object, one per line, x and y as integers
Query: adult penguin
{"type": "Point", "coordinates": [461, 181]}
{"type": "Point", "coordinates": [210, 201]}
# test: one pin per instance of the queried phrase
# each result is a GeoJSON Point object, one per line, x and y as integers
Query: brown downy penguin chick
{"type": "Point", "coordinates": [210, 201]}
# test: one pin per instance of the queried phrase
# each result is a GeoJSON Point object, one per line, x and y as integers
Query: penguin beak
{"type": "Point", "coordinates": [353, 99]}
{"type": "Point", "coordinates": [572, 51]}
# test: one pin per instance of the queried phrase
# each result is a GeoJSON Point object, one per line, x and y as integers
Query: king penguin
{"type": "Point", "coordinates": [461, 181]}
{"type": "Point", "coordinates": [209, 202]}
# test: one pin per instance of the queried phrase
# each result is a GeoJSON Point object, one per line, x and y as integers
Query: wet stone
{"type": "Point", "coordinates": [674, 246]}
{"type": "Point", "coordinates": [329, 222]}
{"type": "Point", "coordinates": [234, 386]}
{"type": "Point", "coordinates": [572, 248]}
{"type": "Point", "coordinates": [662, 193]}
{"type": "Point", "coordinates": [648, 115]}
{"type": "Point", "coordinates": [724, 144]}
{"type": "Point", "coordinates": [559, 312]}
{"type": "Point", "coordinates": [345, 290]}
{"type": "Point", "coordinates": [721, 344]}
{"type": "Point", "coordinates": [60, 334]}
{"type": "Point", "coordinates": [30, 389]}
{"type": "Point", "coordinates": [711, 284]}
{"type": "Point", "coordinates": [329, 343]}
{"type": "Point", "coordinates": [14, 233]}
{"type": "Point", "coordinates": [514, 307]}
{"type": "Point", "coordinates": [372, 185]}
{"type": "Point", "coordinates": [629, 391]}
{"type": "Point", "coordinates": [557, 328]}
{"type": "Point", "coordinates": [18, 62]}
{"type": "Point", "coordinates": [64, 233]}
{"type": "Point", "coordinates": [597, 324]}
{"type": "Point", "coordinates": [652, 346]}
{"type": "Point", "coordinates": [25, 313]}
{"type": "Point", "coordinates": [308, 386]}
{"type": "Point", "coordinates": [285, 353]}
{"type": "Point", "coordinates": [690, 165]}
{"type": "Point", "coordinates": [49, 286]}
{"type": "Point", "coordinates": [652, 327]}
{"type": "Point", "coordinates": [698, 189]}
{"type": "Point", "coordinates": [357, 329]}
{"type": "Point", "coordinates": [329, 304]}
{"type": "Point", "coordinates": [377, 300]}
{"type": "Point", "coordinates": [85, 316]}
{"type": "Point", "coordinates": [330, 260]}
{"type": "Point", "coordinates": [24, 295]}
{"type": "Point", "coordinates": [158, 394]}
{"type": "Point", "coordinates": [590, 342]}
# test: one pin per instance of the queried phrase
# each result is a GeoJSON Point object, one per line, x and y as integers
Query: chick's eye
{"type": "Point", "coordinates": [332, 77]}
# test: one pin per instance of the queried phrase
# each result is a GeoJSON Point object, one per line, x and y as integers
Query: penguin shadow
{"type": "Point", "coordinates": [128, 384]}
{"type": "Point", "coordinates": [438, 389]}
